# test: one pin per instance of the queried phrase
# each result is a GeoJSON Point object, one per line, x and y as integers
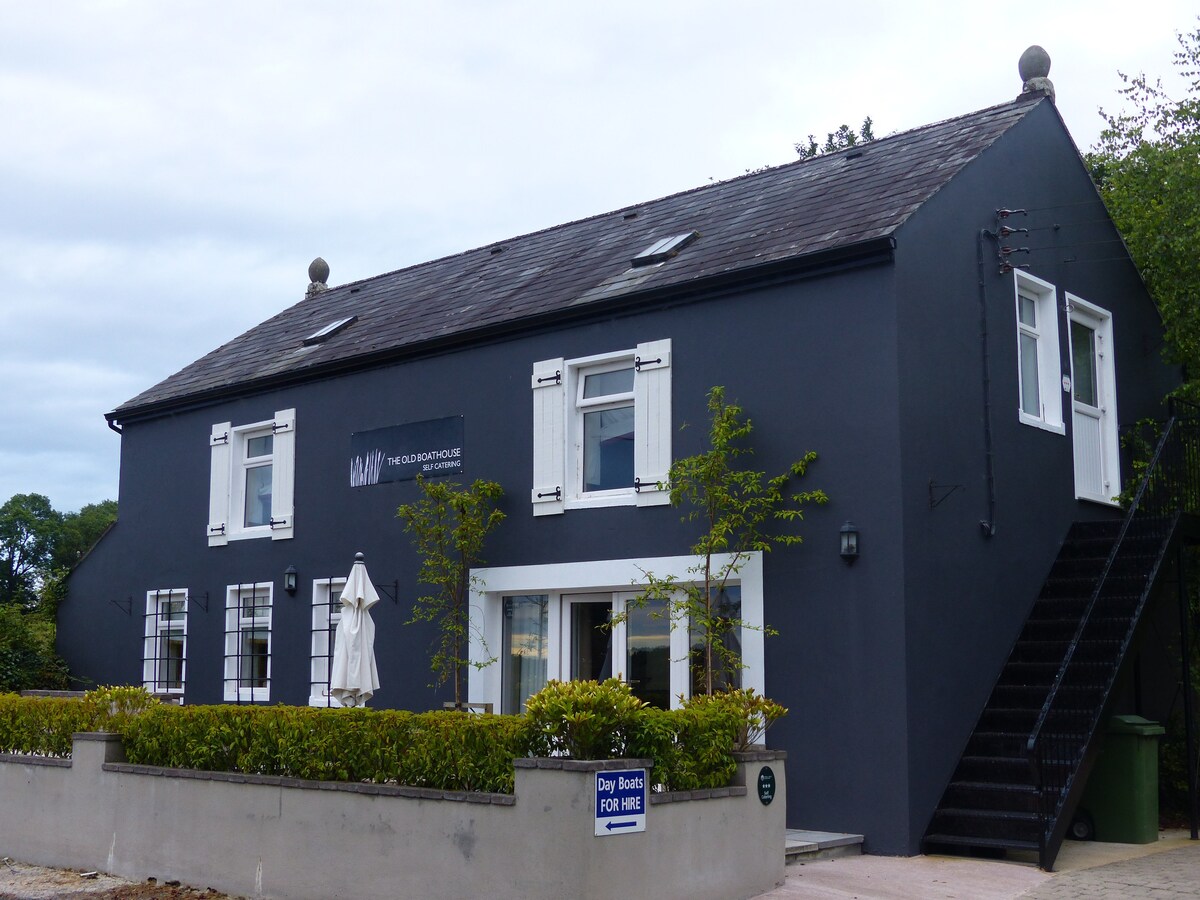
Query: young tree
{"type": "Point", "coordinates": [736, 507]}
{"type": "Point", "coordinates": [1147, 167]}
{"type": "Point", "coordinates": [449, 527]}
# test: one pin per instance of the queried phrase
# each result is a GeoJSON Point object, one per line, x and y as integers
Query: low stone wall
{"type": "Point", "coordinates": [281, 837]}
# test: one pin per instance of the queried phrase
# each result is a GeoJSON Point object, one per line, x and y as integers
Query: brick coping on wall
{"type": "Point", "coordinates": [397, 790]}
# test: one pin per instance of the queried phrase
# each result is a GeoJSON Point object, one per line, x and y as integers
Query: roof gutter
{"type": "Point", "coordinates": [875, 251]}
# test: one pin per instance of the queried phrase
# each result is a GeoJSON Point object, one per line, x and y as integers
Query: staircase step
{"type": "Point", "coordinates": [934, 841]}
{"type": "Point", "coordinates": [990, 803]}
{"type": "Point", "coordinates": [991, 795]}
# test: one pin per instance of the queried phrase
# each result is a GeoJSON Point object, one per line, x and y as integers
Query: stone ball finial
{"type": "Point", "coordinates": [1034, 63]}
{"type": "Point", "coordinates": [318, 271]}
{"type": "Point", "coordinates": [1034, 67]}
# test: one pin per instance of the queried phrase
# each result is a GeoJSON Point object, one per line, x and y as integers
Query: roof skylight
{"type": "Point", "coordinates": [663, 250]}
{"type": "Point", "coordinates": [330, 330]}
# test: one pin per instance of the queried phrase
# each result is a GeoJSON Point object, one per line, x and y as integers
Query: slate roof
{"type": "Point", "coordinates": [763, 219]}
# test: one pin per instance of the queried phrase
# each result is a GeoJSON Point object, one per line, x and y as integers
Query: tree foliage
{"type": "Point", "coordinates": [81, 530]}
{"type": "Point", "coordinates": [449, 526]}
{"type": "Point", "coordinates": [29, 529]}
{"type": "Point", "coordinates": [841, 139]}
{"type": "Point", "coordinates": [38, 545]}
{"type": "Point", "coordinates": [1147, 167]}
{"type": "Point", "coordinates": [737, 508]}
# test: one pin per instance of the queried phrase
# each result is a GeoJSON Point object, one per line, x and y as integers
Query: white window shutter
{"type": "Point", "coordinates": [549, 436]}
{"type": "Point", "coordinates": [283, 474]}
{"type": "Point", "coordinates": [218, 483]}
{"type": "Point", "coordinates": [652, 422]}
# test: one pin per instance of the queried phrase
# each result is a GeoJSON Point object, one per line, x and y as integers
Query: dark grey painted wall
{"type": "Point", "coordinates": [883, 665]}
{"type": "Point", "coordinates": [966, 595]}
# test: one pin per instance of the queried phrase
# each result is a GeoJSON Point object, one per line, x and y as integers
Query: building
{"type": "Point", "coordinates": [947, 316]}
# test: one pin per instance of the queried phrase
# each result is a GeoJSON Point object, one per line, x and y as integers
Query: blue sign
{"type": "Point", "coordinates": [620, 802]}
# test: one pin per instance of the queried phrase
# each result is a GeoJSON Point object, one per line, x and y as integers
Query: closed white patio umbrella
{"type": "Point", "coordinates": [354, 677]}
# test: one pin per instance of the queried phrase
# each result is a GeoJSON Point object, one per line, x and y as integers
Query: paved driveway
{"type": "Point", "coordinates": [1167, 869]}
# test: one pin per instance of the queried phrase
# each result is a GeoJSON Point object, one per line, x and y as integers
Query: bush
{"type": "Point", "coordinates": [446, 751]}
{"type": "Point", "coordinates": [27, 657]}
{"type": "Point", "coordinates": [582, 719]}
{"type": "Point", "coordinates": [43, 725]}
{"type": "Point", "coordinates": [692, 747]}
{"type": "Point", "coordinates": [753, 713]}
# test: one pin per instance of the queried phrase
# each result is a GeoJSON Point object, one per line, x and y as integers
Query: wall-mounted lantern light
{"type": "Point", "coordinates": [289, 580]}
{"type": "Point", "coordinates": [849, 535]}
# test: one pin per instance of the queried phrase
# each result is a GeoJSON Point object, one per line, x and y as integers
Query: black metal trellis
{"type": "Point", "coordinates": [165, 650]}
{"type": "Point", "coordinates": [324, 630]}
{"type": "Point", "coordinates": [248, 636]}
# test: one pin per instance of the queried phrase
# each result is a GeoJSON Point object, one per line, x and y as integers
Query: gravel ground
{"type": "Point", "coordinates": [21, 881]}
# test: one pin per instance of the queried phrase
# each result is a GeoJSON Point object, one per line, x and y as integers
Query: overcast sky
{"type": "Point", "coordinates": [169, 169]}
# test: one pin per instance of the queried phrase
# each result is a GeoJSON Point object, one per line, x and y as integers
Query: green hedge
{"type": "Point", "coordinates": [692, 748]}
{"type": "Point", "coordinates": [443, 750]}
{"type": "Point", "coordinates": [44, 725]}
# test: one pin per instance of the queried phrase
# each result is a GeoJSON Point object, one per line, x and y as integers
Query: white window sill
{"type": "Point", "coordinates": [249, 695]}
{"type": "Point", "coordinates": [594, 501]}
{"type": "Point", "coordinates": [1027, 419]}
{"type": "Point", "coordinates": [245, 534]}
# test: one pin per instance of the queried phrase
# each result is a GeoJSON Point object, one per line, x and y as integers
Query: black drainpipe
{"type": "Point", "coordinates": [989, 524]}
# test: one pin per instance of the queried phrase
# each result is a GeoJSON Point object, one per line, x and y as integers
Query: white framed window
{"type": "Point", "coordinates": [164, 649]}
{"type": "Point", "coordinates": [252, 479]}
{"type": "Point", "coordinates": [248, 642]}
{"type": "Point", "coordinates": [534, 623]}
{"type": "Point", "coordinates": [602, 430]}
{"type": "Point", "coordinates": [326, 613]}
{"type": "Point", "coordinates": [1039, 366]}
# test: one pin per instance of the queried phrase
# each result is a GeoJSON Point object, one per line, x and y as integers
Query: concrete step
{"type": "Point", "coordinates": [805, 846]}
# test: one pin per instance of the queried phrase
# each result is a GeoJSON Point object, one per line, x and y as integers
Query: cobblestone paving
{"type": "Point", "coordinates": [1166, 875]}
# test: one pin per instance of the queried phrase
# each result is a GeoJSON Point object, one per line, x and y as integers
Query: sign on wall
{"type": "Point", "coordinates": [432, 448]}
{"type": "Point", "coordinates": [620, 802]}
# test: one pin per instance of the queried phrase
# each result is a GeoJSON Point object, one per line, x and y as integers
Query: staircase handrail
{"type": "Point", "coordinates": [1035, 735]}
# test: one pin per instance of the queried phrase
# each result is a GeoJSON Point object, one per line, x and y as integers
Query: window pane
{"type": "Point", "coordinates": [648, 642]}
{"type": "Point", "coordinates": [602, 384]}
{"type": "Point", "coordinates": [1028, 308]}
{"type": "Point", "coordinates": [591, 641]}
{"type": "Point", "coordinates": [258, 495]}
{"type": "Point", "coordinates": [255, 605]}
{"type": "Point", "coordinates": [1083, 359]}
{"type": "Point", "coordinates": [608, 449]}
{"type": "Point", "coordinates": [252, 662]}
{"type": "Point", "coordinates": [259, 446]}
{"type": "Point", "coordinates": [172, 609]}
{"type": "Point", "coordinates": [726, 644]}
{"type": "Point", "coordinates": [1031, 401]}
{"type": "Point", "coordinates": [524, 653]}
{"type": "Point", "coordinates": [170, 661]}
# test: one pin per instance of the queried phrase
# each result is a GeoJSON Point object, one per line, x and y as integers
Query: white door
{"type": "Point", "coordinates": [1093, 403]}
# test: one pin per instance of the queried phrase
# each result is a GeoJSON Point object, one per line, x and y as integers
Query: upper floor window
{"type": "Point", "coordinates": [252, 479]}
{"type": "Point", "coordinates": [602, 429]}
{"type": "Point", "coordinates": [1039, 367]}
{"type": "Point", "coordinates": [164, 650]}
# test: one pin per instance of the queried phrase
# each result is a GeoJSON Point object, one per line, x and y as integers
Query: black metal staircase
{"type": "Point", "coordinates": [1026, 764]}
